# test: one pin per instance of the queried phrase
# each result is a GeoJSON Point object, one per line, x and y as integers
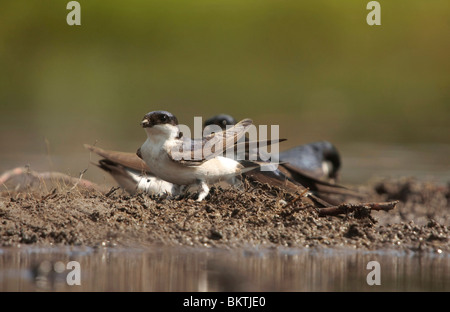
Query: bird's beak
{"type": "Point", "coordinates": [145, 123]}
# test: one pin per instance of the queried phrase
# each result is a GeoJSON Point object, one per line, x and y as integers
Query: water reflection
{"type": "Point", "coordinates": [183, 269]}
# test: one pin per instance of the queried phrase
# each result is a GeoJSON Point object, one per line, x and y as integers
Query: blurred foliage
{"type": "Point", "coordinates": [314, 67]}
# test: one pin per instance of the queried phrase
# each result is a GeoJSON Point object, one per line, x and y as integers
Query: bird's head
{"type": "Point", "coordinates": [156, 118]}
{"type": "Point", "coordinates": [160, 123]}
{"type": "Point", "coordinates": [221, 120]}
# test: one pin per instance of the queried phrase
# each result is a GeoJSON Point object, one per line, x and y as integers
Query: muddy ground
{"type": "Point", "coordinates": [252, 215]}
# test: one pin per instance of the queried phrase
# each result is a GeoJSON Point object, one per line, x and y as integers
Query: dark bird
{"type": "Point", "coordinates": [317, 159]}
{"type": "Point", "coordinates": [303, 166]}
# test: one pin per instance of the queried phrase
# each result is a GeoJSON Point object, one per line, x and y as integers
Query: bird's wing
{"type": "Point", "coordinates": [311, 156]}
{"type": "Point", "coordinates": [195, 152]}
{"type": "Point", "coordinates": [315, 184]}
{"type": "Point", "coordinates": [129, 160]}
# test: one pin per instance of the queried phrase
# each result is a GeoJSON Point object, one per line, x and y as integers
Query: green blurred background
{"type": "Point", "coordinates": [313, 67]}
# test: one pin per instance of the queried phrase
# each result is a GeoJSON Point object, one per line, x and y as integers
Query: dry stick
{"type": "Point", "coordinates": [79, 179]}
{"type": "Point", "coordinates": [53, 192]}
{"type": "Point", "coordinates": [297, 198]}
{"type": "Point", "coordinates": [346, 208]}
{"type": "Point", "coordinates": [111, 191]}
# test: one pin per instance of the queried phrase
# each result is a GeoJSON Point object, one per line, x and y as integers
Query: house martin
{"type": "Point", "coordinates": [303, 166]}
{"type": "Point", "coordinates": [317, 159]}
{"type": "Point", "coordinates": [131, 172]}
{"type": "Point", "coordinates": [183, 161]}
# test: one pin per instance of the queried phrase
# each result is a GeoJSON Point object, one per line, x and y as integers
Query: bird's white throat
{"type": "Point", "coordinates": [160, 133]}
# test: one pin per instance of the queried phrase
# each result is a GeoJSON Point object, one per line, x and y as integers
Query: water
{"type": "Point", "coordinates": [195, 269]}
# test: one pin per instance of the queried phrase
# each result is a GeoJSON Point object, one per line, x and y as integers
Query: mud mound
{"type": "Point", "coordinates": [254, 215]}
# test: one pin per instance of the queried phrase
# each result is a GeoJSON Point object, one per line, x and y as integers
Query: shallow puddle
{"type": "Point", "coordinates": [194, 269]}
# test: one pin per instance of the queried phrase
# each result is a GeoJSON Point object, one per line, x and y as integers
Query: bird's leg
{"type": "Point", "coordinates": [204, 190]}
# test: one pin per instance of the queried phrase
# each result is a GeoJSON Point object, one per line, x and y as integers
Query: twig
{"type": "Point", "coordinates": [53, 192]}
{"type": "Point", "coordinates": [112, 190]}
{"type": "Point", "coordinates": [302, 194]}
{"type": "Point", "coordinates": [346, 208]}
{"type": "Point", "coordinates": [79, 179]}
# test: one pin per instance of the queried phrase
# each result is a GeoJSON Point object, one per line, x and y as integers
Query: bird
{"type": "Point", "coordinates": [132, 174]}
{"type": "Point", "coordinates": [321, 159]}
{"type": "Point", "coordinates": [183, 161]}
{"type": "Point", "coordinates": [317, 159]}
{"type": "Point", "coordinates": [313, 166]}
{"type": "Point", "coordinates": [221, 120]}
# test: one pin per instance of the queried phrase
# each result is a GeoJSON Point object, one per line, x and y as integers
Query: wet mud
{"type": "Point", "coordinates": [248, 216]}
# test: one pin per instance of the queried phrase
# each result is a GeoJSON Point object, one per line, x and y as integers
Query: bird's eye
{"type": "Point", "coordinates": [164, 117]}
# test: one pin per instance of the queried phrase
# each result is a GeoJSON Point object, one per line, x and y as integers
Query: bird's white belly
{"type": "Point", "coordinates": [218, 169]}
{"type": "Point", "coordinates": [163, 167]}
{"type": "Point", "coordinates": [152, 185]}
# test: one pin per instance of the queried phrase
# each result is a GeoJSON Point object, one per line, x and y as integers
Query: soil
{"type": "Point", "coordinates": [253, 215]}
